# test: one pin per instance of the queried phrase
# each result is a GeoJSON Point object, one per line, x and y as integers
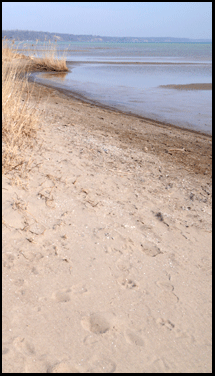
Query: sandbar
{"type": "Point", "coordinates": [202, 86]}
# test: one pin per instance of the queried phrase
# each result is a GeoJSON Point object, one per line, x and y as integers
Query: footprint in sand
{"type": "Point", "coordinates": [165, 285]}
{"type": "Point", "coordinates": [65, 295]}
{"type": "Point", "coordinates": [127, 283]}
{"type": "Point", "coordinates": [36, 366]}
{"type": "Point", "coordinates": [165, 323]}
{"type": "Point", "coordinates": [62, 296]}
{"type": "Point", "coordinates": [133, 338]}
{"type": "Point", "coordinates": [5, 350]}
{"type": "Point", "coordinates": [167, 295]}
{"type": "Point", "coordinates": [102, 365]}
{"type": "Point", "coordinates": [96, 323]}
{"type": "Point", "coordinates": [79, 289]}
{"type": "Point", "coordinates": [63, 367]}
{"type": "Point", "coordinates": [8, 260]}
{"type": "Point", "coordinates": [23, 346]}
{"type": "Point", "coordinates": [150, 249]}
{"type": "Point", "coordinates": [160, 365]}
{"type": "Point", "coordinates": [123, 265]}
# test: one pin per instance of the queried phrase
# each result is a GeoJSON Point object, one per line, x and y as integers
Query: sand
{"type": "Point", "coordinates": [202, 86]}
{"type": "Point", "coordinates": [107, 246]}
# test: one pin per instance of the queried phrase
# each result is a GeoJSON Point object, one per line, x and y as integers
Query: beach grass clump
{"type": "Point", "coordinates": [19, 118]}
{"type": "Point", "coordinates": [49, 61]}
{"type": "Point", "coordinates": [46, 58]}
{"type": "Point", "coordinates": [20, 114]}
{"type": "Point", "coordinates": [47, 64]}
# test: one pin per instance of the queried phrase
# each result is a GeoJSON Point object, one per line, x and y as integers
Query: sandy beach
{"type": "Point", "coordinates": [107, 246]}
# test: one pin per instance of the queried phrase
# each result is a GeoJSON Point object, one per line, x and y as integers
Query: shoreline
{"type": "Point", "coordinates": [195, 146]}
{"type": "Point", "coordinates": [78, 96]}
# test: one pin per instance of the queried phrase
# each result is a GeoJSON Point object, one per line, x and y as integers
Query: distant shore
{"type": "Point", "coordinates": [27, 35]}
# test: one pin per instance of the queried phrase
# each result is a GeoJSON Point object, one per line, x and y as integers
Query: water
{"type": "Point", "coordinates": [128, 76]}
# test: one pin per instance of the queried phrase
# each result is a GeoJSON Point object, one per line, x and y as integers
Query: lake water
{"type": "Point", "coordinates": [128, 76]}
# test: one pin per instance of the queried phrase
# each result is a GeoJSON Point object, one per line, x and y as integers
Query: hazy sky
{"type": "Point", "coordinates": [130, 19]}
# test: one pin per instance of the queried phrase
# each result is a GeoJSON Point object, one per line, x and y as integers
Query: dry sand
{"type": "Point", "coordinates": [107, 250]}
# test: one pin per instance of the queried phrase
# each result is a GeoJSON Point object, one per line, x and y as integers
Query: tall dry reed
{"type": "Point", "coordinates": [20, 116]}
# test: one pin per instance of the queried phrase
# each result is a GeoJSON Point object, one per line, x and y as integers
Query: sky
{"type": "Point", "coordinates": [121, 19]}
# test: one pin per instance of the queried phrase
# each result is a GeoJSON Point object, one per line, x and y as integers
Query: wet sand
{"type": "Point", "coordinates": [189, 87]}
{"type": "Point", "coordinates": [131, 62]}
{"type": "Point", "coordinates": [107, 246]}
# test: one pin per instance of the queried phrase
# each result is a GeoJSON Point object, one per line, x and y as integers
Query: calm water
{"type": "Point", "coordinates": [128, 76]}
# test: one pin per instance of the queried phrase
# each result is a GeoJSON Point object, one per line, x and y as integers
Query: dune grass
{"type": "Point", "coordinates": [20, 116]}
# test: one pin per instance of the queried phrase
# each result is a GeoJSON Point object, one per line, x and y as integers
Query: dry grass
{"type": "Point", "coordinates": [20, 118]}
{"type": "Point", "coordinates": [50, 60]}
